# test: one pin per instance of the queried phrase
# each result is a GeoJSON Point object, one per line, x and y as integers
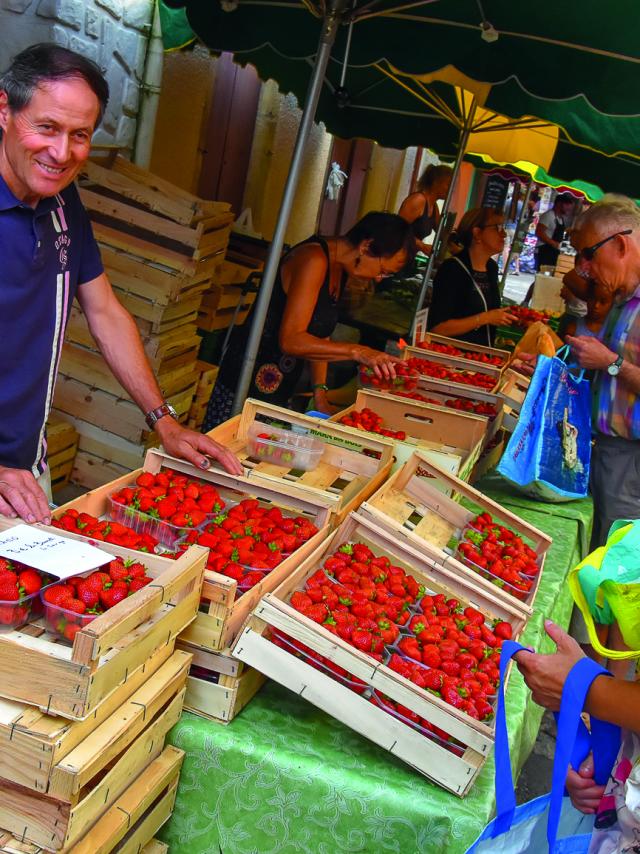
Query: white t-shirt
{"type": "Point", "coordinates": [549, 220]}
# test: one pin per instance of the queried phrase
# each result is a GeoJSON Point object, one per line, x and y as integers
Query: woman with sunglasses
{"type": "Point", "coordinates": [466, 297]}
{"type": "Point", "coordinates": [303, 313]}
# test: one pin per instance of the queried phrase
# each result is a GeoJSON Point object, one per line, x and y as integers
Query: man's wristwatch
{"type": "Point", "coordinates": [614, 368]}
{"type": "Point", "coordinates": [155, 415]}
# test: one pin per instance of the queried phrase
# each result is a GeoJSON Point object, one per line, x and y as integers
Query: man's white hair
{"type": "Point", "coordinates": [613, 212]}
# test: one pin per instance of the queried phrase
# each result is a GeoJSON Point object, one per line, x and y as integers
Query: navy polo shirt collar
{"type": "Point", "coordinates": [9, 201]}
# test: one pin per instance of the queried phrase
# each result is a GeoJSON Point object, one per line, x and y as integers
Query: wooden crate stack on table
{"type": "Point", "coordinates": [226, 301]}
{"type": "Point", "coordinates": [83, 761]}
{"type": "Point", "coordinates": [393, 684]}
{"type": "Point", "coordinates": [62, 446]}
{"type": "Point", "coordinates": [161, 247]}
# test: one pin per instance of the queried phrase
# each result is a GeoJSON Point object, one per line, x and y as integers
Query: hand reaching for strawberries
{"type": "Point", "coordinates": [21, 496]}
{"type": "Point", "coordinates": [195, 447]}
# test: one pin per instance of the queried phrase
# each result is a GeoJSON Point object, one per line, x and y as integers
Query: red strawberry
{"type": "Point", "coordinates": [139, 582]}
{"type": "Point", "coordinates": [30, 581]}
{"type": "Point", "coordinates": [75, 605]}
{"type": "Point", "coordinates": [58, 594]}
{"type": "Point", "coordinates": [114, 594]}
{"type": "Point", "coordinates": [8, 591]}
{"type": "Point", "coordinates": [87, 594]}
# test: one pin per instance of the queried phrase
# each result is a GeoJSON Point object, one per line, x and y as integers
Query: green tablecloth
{"type": "Point", "coordinates": [285, 778]}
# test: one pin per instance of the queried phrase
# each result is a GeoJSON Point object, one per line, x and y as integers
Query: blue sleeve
{"type": "Point", "coordinates": [91, 265]}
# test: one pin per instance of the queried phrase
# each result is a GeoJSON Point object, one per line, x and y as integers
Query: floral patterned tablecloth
{"type": "Point", "coordinates": [285, 778]}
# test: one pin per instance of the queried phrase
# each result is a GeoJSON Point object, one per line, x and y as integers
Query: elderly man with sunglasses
{"type": "Point", "coordinates": [607, 239]}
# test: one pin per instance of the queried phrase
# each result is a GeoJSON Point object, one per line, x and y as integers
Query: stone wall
{"type": "Point", "coordinates": [114, 33]}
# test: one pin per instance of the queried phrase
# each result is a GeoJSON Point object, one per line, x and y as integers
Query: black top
{"type": "Point", "coordinates": [459, 291]}
{"type": "Point", "coordinates": [276, 373]}
{"type": "Point", "coordinates": [426, 222]}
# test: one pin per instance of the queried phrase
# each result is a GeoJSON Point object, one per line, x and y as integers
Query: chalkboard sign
{"type": "Point", "coordinates": [495, 193]}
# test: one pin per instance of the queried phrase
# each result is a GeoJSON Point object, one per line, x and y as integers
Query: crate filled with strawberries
{"type": "Point", "coordinates": [459, 349]}
{"type": "Point", "coordinates": [453, 441]}
{"type": "Point", "coordinates": [397, 646]}
{"type": "Point", "coordinates": [462, 529]}
{"type": "Point", "coordinates": [87, 634]}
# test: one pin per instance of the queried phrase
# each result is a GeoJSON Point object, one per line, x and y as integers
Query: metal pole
{"type": "Point", "coordinates": [150, 97]}
{"type": "Point", "coordinates": [325, 44]}
{"type": "Point", "coordinates": [464, 138]}
{"type": "Point", "coordinates": [515, 236]}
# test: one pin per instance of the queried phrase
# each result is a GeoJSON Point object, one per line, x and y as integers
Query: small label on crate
{"type": "Point", "coordinates": [50, 553]}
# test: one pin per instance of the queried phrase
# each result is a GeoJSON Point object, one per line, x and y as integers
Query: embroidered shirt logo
{"type": "Point", "coordinates": [63, 241]}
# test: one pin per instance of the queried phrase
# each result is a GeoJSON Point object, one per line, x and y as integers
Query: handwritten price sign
{"type": "Point", "coordinates": [49, 552]}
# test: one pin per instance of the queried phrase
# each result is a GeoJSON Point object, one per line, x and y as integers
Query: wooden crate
{"type": "Point", "coordinates": [110, 447]}
{"type": "Point", "coordinates": [455, 364]}
{"type": "Point", "coordinates": [126, 827]}
{"type": "Point", "coordinates": [72, 681]}
{"type": "Point", "coordinates": [208, 374]}
{"type": "Point", "coordinates": [218, 307]}
{"type": "Point", "coordinates": [454, 772]}
{"type": "Point", "coordinates": [221, 614]}
{"type": "Point", "coordinates": [490, 457]}
{"type": "Point", "coordinates": [464, 346]}
{"type": "Point", "coordinates": [453, 440]}
{"type": "Point", "coordinates": [57, 757]}
{"type": "Point", "coordinates": [411, 506]}
{"type": "Point", "coordinates": [352, 466]}
{"type": "Point", "coordinates": [513, 390]}
{"type": "Point", "coordinates": [62, 445]}
{"type": "Point", "coordinates": [220, 693]}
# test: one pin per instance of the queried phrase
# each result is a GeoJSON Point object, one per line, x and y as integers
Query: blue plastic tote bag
{"type": "Point", "coordinates": [549, 451]}
{"type": "Point", "coordinates": [549, 823]}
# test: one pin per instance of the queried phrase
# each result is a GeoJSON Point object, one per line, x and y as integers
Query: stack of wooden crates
{"type": "Point", "coordinates": [84, 767]}
{"type": "Point", "coordinates": [161, 247]}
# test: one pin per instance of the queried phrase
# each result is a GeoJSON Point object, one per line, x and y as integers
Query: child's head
{"type": "Point", "coordinates": [599, 302]}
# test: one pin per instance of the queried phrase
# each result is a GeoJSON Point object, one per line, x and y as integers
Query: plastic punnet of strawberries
{"type": "Point", "coordinates": [450, 350]}
{"type": "Point", "coordinates": [171, 497]}
{"type": "Point", "coordinates": [478, 407]}
{"type": "Point", "coordinates": [406, 378]}
{"type": "Point", "coordinates": [439, 643]}
{"type": "Point", "coordinates": [19, 586]}
{"type": "Point", "coordinates": [438, 371]}
{"type": "Point", "coordinates": [250, 539]}
{"type": "Point", "coordinates": [78, 600]}
{"type": "Point", "coordinates": [104, 530]}
{"type": "Point", "coordinates": [499, 554]}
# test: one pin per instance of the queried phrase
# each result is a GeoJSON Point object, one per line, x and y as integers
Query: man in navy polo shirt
{"type": "Point", "coordinates": [51, 101]}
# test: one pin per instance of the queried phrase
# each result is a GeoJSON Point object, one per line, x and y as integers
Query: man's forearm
{"type": "Point", "coordinates": [124, 353]}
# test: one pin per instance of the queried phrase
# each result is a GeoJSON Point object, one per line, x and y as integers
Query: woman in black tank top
{"type": "Point", "coordinates": [303, 313]}
{"type": "Point", "coordinates": [420, 210]}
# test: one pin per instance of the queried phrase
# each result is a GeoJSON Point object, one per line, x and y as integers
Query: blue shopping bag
{"type": "Point", "coordinates": [549, 451]}
{"type": "Point", "coordinates": [549, 823]}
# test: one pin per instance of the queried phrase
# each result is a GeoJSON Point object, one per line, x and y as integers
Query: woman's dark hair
{"type": "Point", "coordinates": [473, 218]}
{"type": "Point", "coordinates": [48, 61]}
{"type": "Point", "coordinates": [432, 174]}
{"type": "Point", "coordinates": [388, 233]}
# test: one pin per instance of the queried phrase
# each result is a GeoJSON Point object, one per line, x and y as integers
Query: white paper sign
{"type": "Point", "coordinates": [49, 552]}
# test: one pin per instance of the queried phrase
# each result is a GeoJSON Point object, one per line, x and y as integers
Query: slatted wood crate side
{"type": "Point", "coordinates": [221, 702]}
{"type": "Point", "coordinates": [411, 505]}
{"type": "Point", "coordinates": [33, 743]}
{"type": "Point", "coordinates": [56, 825]}
{"type": "Point", "coordinates": [72, 682]}
{"type": "Point", "coordinates": [111, 447]}
{"type": "Point", "coordinates": [353, 465]}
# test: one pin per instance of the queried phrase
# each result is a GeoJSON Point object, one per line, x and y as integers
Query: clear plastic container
{"type": "Point", "coordinates": [63, 622]}
{"type": "Point", "coordinates": [284, 448]}
{"type": "Point", "coordinates": [16, 612]}
{"type": "Point", "coordinates": [313, 660]}
{"type": "Point", "coordinates": [521, 595]}
{"type": "Point", "coordinates": [142, 523]}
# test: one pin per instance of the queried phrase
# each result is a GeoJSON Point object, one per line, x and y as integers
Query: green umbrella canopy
{"type": "Point", "coordinates": [549, 49]}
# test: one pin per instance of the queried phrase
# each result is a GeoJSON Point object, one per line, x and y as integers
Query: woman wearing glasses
{"type": "Point", "coordinates": [303, 313]}
{"type": "Point", "coordinates": [466, 296]}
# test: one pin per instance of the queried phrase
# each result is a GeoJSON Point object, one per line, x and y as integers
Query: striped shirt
{"type": "Point", "coordinates": [45, 254]}
{"type": "Point", "coordinates": [616, 409]}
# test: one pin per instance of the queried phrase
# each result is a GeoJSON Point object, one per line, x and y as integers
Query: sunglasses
{"type": "Point", "coordinates": [587, 254]}
{"type": "Point", "coordinates": [499, 226]}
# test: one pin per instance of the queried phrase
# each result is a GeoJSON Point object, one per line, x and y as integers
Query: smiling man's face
{"type": "Point", "coordinates": [44, 145]}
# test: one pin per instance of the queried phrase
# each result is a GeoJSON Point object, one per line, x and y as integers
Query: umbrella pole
{"type": "Point", "coordinates": [464, 138]}
{"type": "Point", "coordinates": [329, 30]}
{"type": "Point", "coordinates": [505, 272]}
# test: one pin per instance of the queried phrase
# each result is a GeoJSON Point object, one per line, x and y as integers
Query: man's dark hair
{"type": "Point", "coordinates": [47, 61]}
{"type": "Point", "coordinates": [388, 233]}
{"type": "Point", "coordinates": [562, 199]}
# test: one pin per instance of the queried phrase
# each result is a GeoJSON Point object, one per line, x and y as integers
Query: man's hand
{"type": "Point", "coordinates": [21, 496]}
{"type": "Point", "coordinates": [585, 794]}
{"type": "Point", "coordinates": [545, 675]}
{"type": "Point", "coordinates": [591, 353]}
{"type": "Point", "coordinates": [195, 447]}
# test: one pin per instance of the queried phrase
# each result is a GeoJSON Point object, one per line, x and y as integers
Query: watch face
{"type": "Point", "coordinates": [614, 369]}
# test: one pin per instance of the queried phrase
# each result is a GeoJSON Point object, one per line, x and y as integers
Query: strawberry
{"type": "Point", "coordinates": [9, 591]}
{"type": "Point", "coordinates": [114, 594]}
{"type": "Point", "coordinates": [118, 571]}
{"type": "Point", "coordinates": [87, 595]}
{"type": "Point", "coordinates": [58, 594]}
{"type": "Point", "coordinates": [138, 583]}
{"type": "Point", "coordinates": [30, 581]}
{"type": "Point", "coordinates": [75, 605]}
